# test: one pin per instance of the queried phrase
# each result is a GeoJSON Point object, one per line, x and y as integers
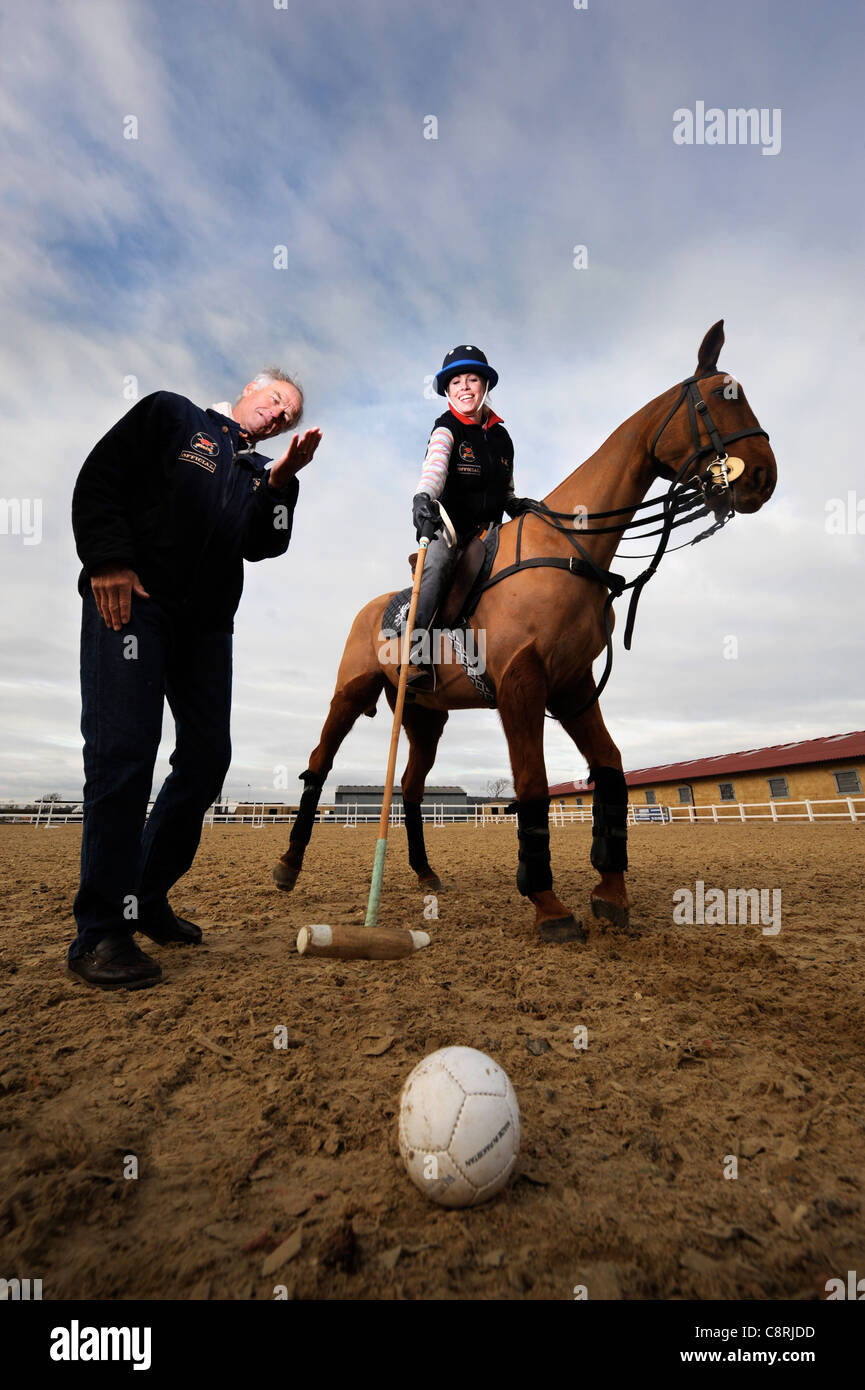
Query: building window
{"type": "Point", "coordinates": [847, 782]}
{"type": "Point", "coordinates": [727, 791]}
{"type": "Point", "coordinates": [650, 798]}
{"type": "Point", "coordinates": [685, 797]}
{"type": "Point", "coordinates": [579, 801]}
{"type": "Point", "coordinates": [778, 787]}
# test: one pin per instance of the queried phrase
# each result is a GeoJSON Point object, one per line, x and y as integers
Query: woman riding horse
{"type": "Point", "coordinates": [469, 467]}
{"type": "Point", "coordinates": [546, 610]}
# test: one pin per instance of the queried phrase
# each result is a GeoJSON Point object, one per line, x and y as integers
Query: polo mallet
{"type": "Point", "coordinates": [370, 941]}
{"type": "Point", "coordinates": [427, 534]}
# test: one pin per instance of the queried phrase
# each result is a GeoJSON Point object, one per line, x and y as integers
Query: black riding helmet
{"type": "Point", "coordinates": [464, 357]}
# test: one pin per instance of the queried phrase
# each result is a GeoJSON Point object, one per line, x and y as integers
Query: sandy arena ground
{"type": "Point", "coordinates": [261, 1167]}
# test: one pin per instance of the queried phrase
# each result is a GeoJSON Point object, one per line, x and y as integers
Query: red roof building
{"type": "Point", "coordinates": [814, 769]}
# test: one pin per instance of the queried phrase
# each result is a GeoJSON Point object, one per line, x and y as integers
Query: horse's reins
{"type": "Point", "coordinates": [677, 508]}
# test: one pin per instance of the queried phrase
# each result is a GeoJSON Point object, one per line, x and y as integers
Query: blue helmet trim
{"type": "Point", "coordinates": [452, 369]}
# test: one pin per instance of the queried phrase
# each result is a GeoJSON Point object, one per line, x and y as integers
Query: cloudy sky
{"type": "Point", "coordinates": [261, 125]}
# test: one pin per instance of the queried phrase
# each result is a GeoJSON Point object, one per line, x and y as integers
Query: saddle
{"type": "Point", "coordinates": [474, 563]}
{"type": "Point", "coordinates": [473, 567]}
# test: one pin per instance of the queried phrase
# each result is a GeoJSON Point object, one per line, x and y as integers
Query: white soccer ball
{"type": "Point", "coordinates": [459, 1127]}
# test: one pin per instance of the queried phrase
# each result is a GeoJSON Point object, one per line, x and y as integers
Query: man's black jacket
{"type": "Point", "coordinates": [165, 493]}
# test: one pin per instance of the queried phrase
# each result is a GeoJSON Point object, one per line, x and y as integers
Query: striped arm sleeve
{"type": "Point", "coordinates": [435, 465]}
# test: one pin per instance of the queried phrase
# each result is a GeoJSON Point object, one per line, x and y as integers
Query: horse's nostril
{"type": "Point", "coordinates": [759, 477]}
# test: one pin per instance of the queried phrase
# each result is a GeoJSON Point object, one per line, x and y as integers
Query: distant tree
{"type": "Point", "coordinates": [497, 786]}
{"type": "Point", "coordinates": [51, 796]}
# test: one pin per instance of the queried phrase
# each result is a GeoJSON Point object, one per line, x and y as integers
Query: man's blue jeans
{"type": "Point", "coordinates": [127, 868]}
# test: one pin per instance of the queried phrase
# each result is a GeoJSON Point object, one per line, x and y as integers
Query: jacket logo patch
{"type": "Point", "coordinates": [467, 452]}
{"type": "Point", "coordinates": [205, 445]}
{"type": "Point", "coordinates": [189, 457]}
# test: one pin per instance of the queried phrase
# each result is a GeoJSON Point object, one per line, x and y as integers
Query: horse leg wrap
{"type": "Point", "coordinates": [534, 874]}
{"type": "Point", "coordinates": [414, 830]}
{"type": "Point", "coordinates": [609, 820]}
{"type": "Point", "coordinates": [305, 818]}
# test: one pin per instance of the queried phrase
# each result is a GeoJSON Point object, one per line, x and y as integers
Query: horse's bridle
{"type": "Point", "coordinates": [708, 492]}
{"type": "Point", "coordinates": [715, 482]}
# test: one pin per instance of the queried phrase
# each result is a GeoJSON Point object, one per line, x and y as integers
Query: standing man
{"type": "Point", "coordinates": [166, 509]}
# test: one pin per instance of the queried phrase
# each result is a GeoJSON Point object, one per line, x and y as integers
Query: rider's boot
{"type": "Point", "coordinates": [438, 568]}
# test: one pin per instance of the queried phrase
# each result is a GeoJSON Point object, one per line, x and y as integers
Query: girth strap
{"type": "Point", "coordinates": [584, 567]}
{"type": "Point", "coordinates": [573, 564]}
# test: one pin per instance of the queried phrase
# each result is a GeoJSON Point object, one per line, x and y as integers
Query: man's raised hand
{"type": "Point", "coordinates": [296, 456]}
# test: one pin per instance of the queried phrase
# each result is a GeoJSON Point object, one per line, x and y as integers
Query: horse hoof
{"type": "Point", "coordinates": [284, 876]}
{"type": "Point", "coordinates": [610, 912]}
{"type": "Point", "coordinates": [562, 929]}
{"type": "Point", "coordinates": [431, 883]}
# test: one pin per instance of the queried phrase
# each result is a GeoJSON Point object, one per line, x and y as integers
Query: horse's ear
{"type": "Point", "coordinates": [710, 348]}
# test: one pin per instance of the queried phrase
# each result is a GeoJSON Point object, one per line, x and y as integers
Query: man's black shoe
{"type": "Point", "coordinates": [171, 930]}
{"type": "Point", "coordinates": [116, 963]}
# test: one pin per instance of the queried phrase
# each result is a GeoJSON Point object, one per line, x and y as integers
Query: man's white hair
{"type": "Point", "coordinates": [269, 374]}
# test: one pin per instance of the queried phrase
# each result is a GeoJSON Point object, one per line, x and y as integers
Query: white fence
{"type": "Point", "coordinates": [842, 808]}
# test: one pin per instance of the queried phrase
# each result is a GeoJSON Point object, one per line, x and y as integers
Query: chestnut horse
{"type": "Point", "coordinates": [544, 626]}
